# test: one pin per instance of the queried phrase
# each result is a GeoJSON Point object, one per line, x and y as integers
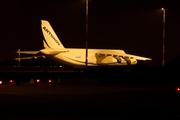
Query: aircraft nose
{"type": "Point", "coordinates": [149, 59]}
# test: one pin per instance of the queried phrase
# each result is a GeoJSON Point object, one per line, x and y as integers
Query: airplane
{"type": "Point", "coordinates": [54, 50]}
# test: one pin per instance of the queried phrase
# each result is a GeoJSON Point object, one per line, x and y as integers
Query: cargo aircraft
{"type": "Point", "coordinates": [54, 50]}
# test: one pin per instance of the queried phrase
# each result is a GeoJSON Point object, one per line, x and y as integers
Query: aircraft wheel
{"type": "Point", "coordinates": [128, 62]}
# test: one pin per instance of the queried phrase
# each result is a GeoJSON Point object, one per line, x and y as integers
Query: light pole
{"type": "Point", "coordinates": [86, 33]}
{"type": "Point", "coordinates": [19, 58]}
{"type": "Point", "coordinates": [163, 50]}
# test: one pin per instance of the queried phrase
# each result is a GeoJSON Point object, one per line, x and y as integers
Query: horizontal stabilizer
{"type": "Point", "coordinates": [31, 57]}
{"type": "Point", "coordinates": [28, 52]}
{"type": "Point", "coordinates": [57, 52]}
{"type": "Point", "coordinates": [53, 52]}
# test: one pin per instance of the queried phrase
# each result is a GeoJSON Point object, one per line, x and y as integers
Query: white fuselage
{"type": "Point", "coordinates": [76, 56]}
{"type": "Point", "coordinates": [54, 50]}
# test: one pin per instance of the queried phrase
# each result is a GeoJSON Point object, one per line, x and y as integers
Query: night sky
{"type": "Point", "coordinates": [132, 25]}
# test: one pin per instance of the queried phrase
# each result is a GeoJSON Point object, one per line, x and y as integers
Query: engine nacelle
{"type": "Point", "coordinates": [131, 61]}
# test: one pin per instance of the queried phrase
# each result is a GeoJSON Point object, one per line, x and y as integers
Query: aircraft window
{"type": "Point", "coordinates": [131, 57]}
{"type": "Point", "coordinates": [108, 54]}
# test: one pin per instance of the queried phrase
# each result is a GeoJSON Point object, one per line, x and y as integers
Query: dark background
{"type": "Point", "coordinates": [134, 26]}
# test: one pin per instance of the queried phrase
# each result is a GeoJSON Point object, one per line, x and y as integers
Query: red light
{"type": "Point", "coordinates": [12, 82]}
{"type": "Point", "coordinates": [86, 57]}
{"type": "Point", "coordinates": [37, 80]}
{"type": "Point", "coordinates": [178, 89]}
{"type": "Point", "coordinates": [0, 82]}
{"type": "Point", "coordinates": [49, 81]}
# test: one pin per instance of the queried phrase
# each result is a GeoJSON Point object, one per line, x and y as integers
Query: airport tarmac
{"type": "Point", "coordinates": [52, 101]}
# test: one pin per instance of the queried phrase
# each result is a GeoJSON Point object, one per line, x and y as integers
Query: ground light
{"type": "Point", "coordinates": [49, 81]}
{"type": "Point", "coordinates": [38, 80]}
{"type": "Point", "coordinates": [11, 81]}
{"type": "Point", "coordinates": [178, 89]}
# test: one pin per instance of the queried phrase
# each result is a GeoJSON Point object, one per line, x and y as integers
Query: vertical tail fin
{"type": "Point", "coordinates": [50, 38]}
{"type": "Point", "coordinates": [45, 44]}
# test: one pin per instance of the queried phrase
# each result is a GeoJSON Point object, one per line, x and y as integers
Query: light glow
{"type": "Point", "coordinates": [178, 89]}
{"type": "Point", "coordinates": [0, 82]}
{"type": "Point", "coordinates": [37, 80]}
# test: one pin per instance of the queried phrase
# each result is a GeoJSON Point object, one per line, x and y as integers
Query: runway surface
{"type": "Point", "coordinates": [89, 101]}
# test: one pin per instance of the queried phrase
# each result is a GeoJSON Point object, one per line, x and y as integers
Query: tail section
{"type": "Point", "coordinates": [45, 44]}
{"type": "Point", "coordinates": [50, 38]}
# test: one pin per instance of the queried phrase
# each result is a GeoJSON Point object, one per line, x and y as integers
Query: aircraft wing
{"type": "Point", "coordinates": [138, 57]}
{"type": "Point", "coordinates": [121, 54]}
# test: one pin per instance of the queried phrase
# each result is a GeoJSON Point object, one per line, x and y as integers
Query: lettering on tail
{"type": "Point", "coordinates": [51, 35]}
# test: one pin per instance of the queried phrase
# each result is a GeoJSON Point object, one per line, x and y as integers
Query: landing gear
{"type": "Point", "coordinates": [128, 62]}
{"type": "Point", "coordinates": [120, 60]}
